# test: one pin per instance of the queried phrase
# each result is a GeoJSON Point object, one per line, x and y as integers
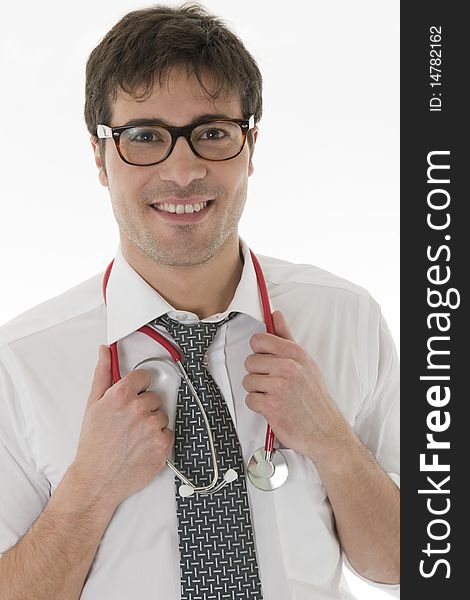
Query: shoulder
{"type": "Point", "coordinates": [74, 304]}
{"type": "Point", "coordinates": [281, 273]}
{"type": "Point", "coordinates": [315, 301]}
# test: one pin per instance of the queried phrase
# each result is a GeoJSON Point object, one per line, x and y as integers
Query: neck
{"type": "Point", "coordinates": [186, 287]}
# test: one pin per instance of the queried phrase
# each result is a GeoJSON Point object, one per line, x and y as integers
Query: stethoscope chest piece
{"type": "Point", "coordinates": [264, 474]}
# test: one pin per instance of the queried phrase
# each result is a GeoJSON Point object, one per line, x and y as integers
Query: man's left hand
{"type": "Point", "coordinates": [286, 386]}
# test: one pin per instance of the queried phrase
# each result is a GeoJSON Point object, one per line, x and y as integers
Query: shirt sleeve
{"type": "Point", "coordinates": [24, 492]}
{"type": "Point", "coordinates": [378, 422]}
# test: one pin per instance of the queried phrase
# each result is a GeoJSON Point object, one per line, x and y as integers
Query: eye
{"type": "Point", "coordinates": [144, 136]}
{"type": "Point", "coordinates": [214, 133]}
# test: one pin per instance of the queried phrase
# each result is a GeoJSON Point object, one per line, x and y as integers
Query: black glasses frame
{"type": "Point", "coordinates": [104, 132]}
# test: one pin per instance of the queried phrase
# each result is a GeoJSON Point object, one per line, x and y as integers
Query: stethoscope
{"type": "Point", "coordinates": [267, 467]}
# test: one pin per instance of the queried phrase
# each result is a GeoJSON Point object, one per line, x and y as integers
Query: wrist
{"type": "Point", "coordinates": [338, 453]}
{"type": "Point", "coordinates": [78, 494]}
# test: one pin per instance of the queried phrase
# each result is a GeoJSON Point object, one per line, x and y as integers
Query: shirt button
{"type": "Point", "coordinates": [181, 316]}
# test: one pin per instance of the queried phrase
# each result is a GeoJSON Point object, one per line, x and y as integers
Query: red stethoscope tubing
{"type": "Point", "coordinates": [175, 355]}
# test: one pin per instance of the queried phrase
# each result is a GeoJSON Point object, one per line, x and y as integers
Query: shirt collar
{"type": "Point", "coordinates": [132, 302]}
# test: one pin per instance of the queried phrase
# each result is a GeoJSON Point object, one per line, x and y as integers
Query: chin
{"type": "Point", "coordinates": [181, 257]}
{"type": "Point", "coordinates": [176, 252]}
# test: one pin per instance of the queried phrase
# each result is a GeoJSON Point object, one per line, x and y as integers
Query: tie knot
{"type": "Point", "coordinates": [193, 340]}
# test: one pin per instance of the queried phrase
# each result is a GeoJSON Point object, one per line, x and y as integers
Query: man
{"type": "Point", "coordinates": [89, 507]}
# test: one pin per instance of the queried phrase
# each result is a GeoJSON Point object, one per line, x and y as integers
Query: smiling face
{"type": "Point", "coordinates": [143, 196]}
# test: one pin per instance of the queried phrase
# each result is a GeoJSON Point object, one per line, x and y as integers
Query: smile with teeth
{"type": "Point", "coordinates": [181, 208]}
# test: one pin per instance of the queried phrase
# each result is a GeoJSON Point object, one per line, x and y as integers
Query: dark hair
{"type": "Point", "coordinates": [145, 44]}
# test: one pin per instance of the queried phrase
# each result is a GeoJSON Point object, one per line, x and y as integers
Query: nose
{"type": "Point", "coordinates": [182, 166]}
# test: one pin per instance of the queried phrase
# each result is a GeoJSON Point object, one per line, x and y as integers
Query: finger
{"type": "Point", "coordinates": [161, 419]}
{"type": "Point", "coordinates": [256, 402]}
{"type": "Point", "coordinates": [102, 379]}
{"type": "Point", "coordinates": [280, 326]}
{"type": "Point", "coordinates": [152, 401]}
{"type": "Point", "coordinates": [260, 383]}
{"type": "Point", "coordinates": [267, 343]}
{"type": "Point", "coordinates": [265, 364]}
{"type": "Point", "coordinates": [259, 363]}
{"type": "Point", "coordinates": [169, 437]}
{"type": "Point", "coordinates": [138, 381]}
{"type": "Point", "coordinates": [273, 366]}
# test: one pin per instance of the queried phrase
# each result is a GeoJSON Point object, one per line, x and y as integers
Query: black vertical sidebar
{"type": "Point", "coordinates": [435, 357]}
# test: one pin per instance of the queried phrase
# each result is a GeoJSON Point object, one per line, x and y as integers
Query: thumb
{"type": "Point", "coordinates": [102, 379]}
{"type": "Point", "coordinates": [280, 326]}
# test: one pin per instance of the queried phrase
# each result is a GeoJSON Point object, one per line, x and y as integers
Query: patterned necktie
{"type": "Point", "coordinates": [217, 551]}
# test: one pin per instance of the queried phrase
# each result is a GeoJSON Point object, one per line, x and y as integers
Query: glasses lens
{"type": "Point", "coordinates": [217, 140]}
{"type": "Point", "coordinates": [145, 145]}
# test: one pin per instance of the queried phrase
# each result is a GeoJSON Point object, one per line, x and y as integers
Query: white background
{"type": "Point", "coordinates": [325, 188]}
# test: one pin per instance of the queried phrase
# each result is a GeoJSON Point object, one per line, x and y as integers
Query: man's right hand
{"type": "Point", "coordinates": [124, 439]}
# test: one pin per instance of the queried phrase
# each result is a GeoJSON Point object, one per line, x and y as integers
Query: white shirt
{"type": "Point", "coordinates": [47, 361]}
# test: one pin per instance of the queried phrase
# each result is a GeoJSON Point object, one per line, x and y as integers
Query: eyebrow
{"type": "Point", "coordinates": [196, 119]}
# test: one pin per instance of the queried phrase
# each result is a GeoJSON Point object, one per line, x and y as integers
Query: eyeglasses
{"type": "Point", "coordinates": [150, 144]}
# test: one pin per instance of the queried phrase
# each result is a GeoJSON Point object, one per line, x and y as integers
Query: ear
{"type": "Point", "coordinates": [99, 162]}
{"type": "Point", "coordinates": [250, 164]}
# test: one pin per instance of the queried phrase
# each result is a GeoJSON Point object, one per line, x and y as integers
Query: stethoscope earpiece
{"type": "Point", "coordinates": [185, 490]}
{"type": "Point", "coordinates": [230, 476]}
